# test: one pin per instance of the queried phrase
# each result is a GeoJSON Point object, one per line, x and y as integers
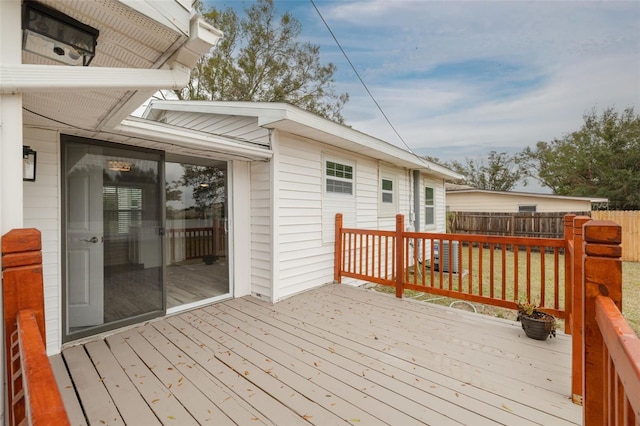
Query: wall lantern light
{"type": "Point", "coordinates": [54, 35]}
{"type": "Point", "coordinates": [28, 163]}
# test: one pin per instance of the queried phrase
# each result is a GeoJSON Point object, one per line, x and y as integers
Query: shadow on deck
{"type": "Point", "coordinates": [331, 355]}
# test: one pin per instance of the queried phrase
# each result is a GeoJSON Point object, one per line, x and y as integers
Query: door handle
{"type": "Point", "coordinates": [92, 240]}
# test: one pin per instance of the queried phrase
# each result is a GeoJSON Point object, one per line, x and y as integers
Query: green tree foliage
{"type": "Point", "coordinates": [602, 159]}
{"type": "Point", "coordinates": [260, 59]}
{"type": "Point", "coordinates": [499, 172]}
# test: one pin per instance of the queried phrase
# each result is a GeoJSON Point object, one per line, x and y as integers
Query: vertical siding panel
{"type": "Point", "coordinates": [260, 229]}
{"type": "Point", "coordinates": [41, 210]}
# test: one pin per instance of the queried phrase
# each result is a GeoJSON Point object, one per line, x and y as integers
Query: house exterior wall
{"type": "Point", "coordinates": [260, 229]}
{"type": "Point", "coordinates": [305, 213]}
{"type": "Point", "coordinates": [42, 210]}
{"type": "Point", "coordinates": [507, 203]}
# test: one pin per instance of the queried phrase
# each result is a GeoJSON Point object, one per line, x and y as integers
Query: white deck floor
{"type": "Point", "coordinates": [333, 355]}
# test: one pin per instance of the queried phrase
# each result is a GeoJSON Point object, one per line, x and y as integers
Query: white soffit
{"type": "Point", "coordinates": [189, 142]}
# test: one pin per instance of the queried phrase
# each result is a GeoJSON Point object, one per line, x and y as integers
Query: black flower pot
{"type": "Point", "coordinates": [538, 325]}
{"type": "Point", "coordinates": [209, 259]}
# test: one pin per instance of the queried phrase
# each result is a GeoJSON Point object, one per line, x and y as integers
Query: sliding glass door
{"type": "Point", "coordinates": [113, 236]}
{"type": "Point", "coordinates": [197, 230]}
{"type": "Point", "coordinates": [144, 233]}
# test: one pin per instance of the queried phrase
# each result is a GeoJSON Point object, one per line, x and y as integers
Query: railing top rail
{"type": "Point", "coordinates": [368, 232]}
{"type": "Point", "coordinates": [45, 406]}
{"type": "Point", "coordinates": [477, 238]}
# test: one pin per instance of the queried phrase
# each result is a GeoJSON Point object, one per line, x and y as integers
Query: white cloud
{"type": "Point", "coordinates": [540, 67]}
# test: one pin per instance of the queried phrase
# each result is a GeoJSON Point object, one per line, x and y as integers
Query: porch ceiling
{"type": "Point", "coordinates": [145, 38]}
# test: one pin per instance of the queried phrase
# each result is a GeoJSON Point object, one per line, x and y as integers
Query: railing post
{"type": "Point", "coordinates": [399, 260]}
{"type": "Point", "coordinates": [602, 276]}
{"type": "Point", "coordinates": [568, 269]}
{"type": "Point", "coordinates": [337, 260]}
{"type": "Point", "coordinates": [21, 289]}
{"type": "Point", "coordinates": [577, 317]}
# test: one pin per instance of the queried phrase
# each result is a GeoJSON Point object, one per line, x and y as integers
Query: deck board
{"type": "Point", "coordinates": [68, 393]}
{"type": "Point", "coordinates": [124, 394]}
{"type": "Point", "coordinates": [332, 355]}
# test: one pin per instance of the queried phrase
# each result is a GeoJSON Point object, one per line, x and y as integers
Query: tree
{"type": "Point", "coordinates": [500, 171]}
{"type": "Point", "coordinates": [260, 59]}
{"type": "Point", "coordinates": [602, 159]}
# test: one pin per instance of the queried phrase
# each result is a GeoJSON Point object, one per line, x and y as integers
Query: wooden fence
{"type": "Point", "coordinates": [629, 220]}
{"type": "Point", "coordinates": [545, 225]}
{"type": "Point", "coordinates": [31, 388]}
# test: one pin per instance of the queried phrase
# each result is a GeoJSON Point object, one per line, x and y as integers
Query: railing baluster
{"type": "Point", "coordinates": [543, 279]}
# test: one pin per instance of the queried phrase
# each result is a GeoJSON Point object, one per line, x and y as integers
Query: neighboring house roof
{"type": "Point", "coordinates": [291, 119]}
{"type": "Point", "coordinates": [465, 189]}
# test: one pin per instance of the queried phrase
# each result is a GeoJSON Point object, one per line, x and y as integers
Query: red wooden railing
{"type": "Point", "coordinates": [605, 350]}
{"type": "Point", "coordinates": [194, 243]}
{"type": "Point", "coordinates": [32, 391]}
{"type": "Point", "coordinates": [611, 349]}
{"type": "Point", "coordinates": [486, 269]}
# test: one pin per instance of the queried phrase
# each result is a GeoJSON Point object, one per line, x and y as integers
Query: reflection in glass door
{"type": "Point", "coordinates": [196, 232]}
{"type": "Point", "coordinates": [113, 241]}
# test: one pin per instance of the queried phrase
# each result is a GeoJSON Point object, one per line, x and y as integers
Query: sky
{"type": "Point", "coordinates": [459, 79]}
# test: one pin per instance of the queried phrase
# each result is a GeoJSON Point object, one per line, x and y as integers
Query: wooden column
{"type": "Point", "coordinates": [602, 276]}
{"type": "Point", "coordinates": [399, 260]}
{"type": "Point", "coordinates": [577, 301]}
{"type": "Point", "coordinates": [337, 259]}
{"type": "Point", "coordinates": [21, 289]}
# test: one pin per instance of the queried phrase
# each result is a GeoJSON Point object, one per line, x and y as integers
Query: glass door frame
{"type": "Point", "coordinates": [187, 159]}
{"type": "Point", "coordinates": [67, 335]}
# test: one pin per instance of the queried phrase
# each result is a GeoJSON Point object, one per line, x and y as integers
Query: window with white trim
{"type": "Point", "coordinates": [387, 191]}
{"type": "Point", "coordinates": [387, 194]}
{"type": "Point", "coordinates": [338, 178]}
{"type": "Point", "coordinates": [429, 206]}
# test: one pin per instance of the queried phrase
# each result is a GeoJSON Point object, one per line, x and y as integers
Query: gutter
{"type": "Point", "coordinates": [25, 78]}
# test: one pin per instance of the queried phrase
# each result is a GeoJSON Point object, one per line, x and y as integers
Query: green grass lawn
{"type": "Point", "coordinates": [630, 277]}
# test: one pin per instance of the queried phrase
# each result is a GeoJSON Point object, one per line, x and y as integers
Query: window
{"type": "Point", "coordinates": [527, 208]}
{"type": "Point", "coordinates": [429, 206]}
{"type": "Point", "coordinates": [339, 178]}
{"type": "Point", "coordinates": [387, 191]}
{"type": "Point", "coordinates": [122, 209]}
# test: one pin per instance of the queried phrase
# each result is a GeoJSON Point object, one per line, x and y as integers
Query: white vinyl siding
{"type": "Point", "coordinates": [41, 211]}
{"type": "Point", "coordinates": [260, 231]}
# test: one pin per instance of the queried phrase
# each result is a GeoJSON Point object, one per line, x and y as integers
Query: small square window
{"type": "Point", "coordinates": [527, 208]}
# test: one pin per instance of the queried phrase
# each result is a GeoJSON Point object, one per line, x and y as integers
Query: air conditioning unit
{"type": "Point", "coordinates": [448, 264]}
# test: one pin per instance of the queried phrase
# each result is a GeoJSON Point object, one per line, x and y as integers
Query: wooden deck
{"type": "Point", "coordinates": [333, 355]}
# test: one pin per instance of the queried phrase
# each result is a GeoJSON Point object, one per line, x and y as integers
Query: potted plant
{"type": "Point", "coordinates": [536, 324]}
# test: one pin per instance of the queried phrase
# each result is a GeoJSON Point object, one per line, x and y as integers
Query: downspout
{"type": "Point", "coordinates": [416, 208]}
